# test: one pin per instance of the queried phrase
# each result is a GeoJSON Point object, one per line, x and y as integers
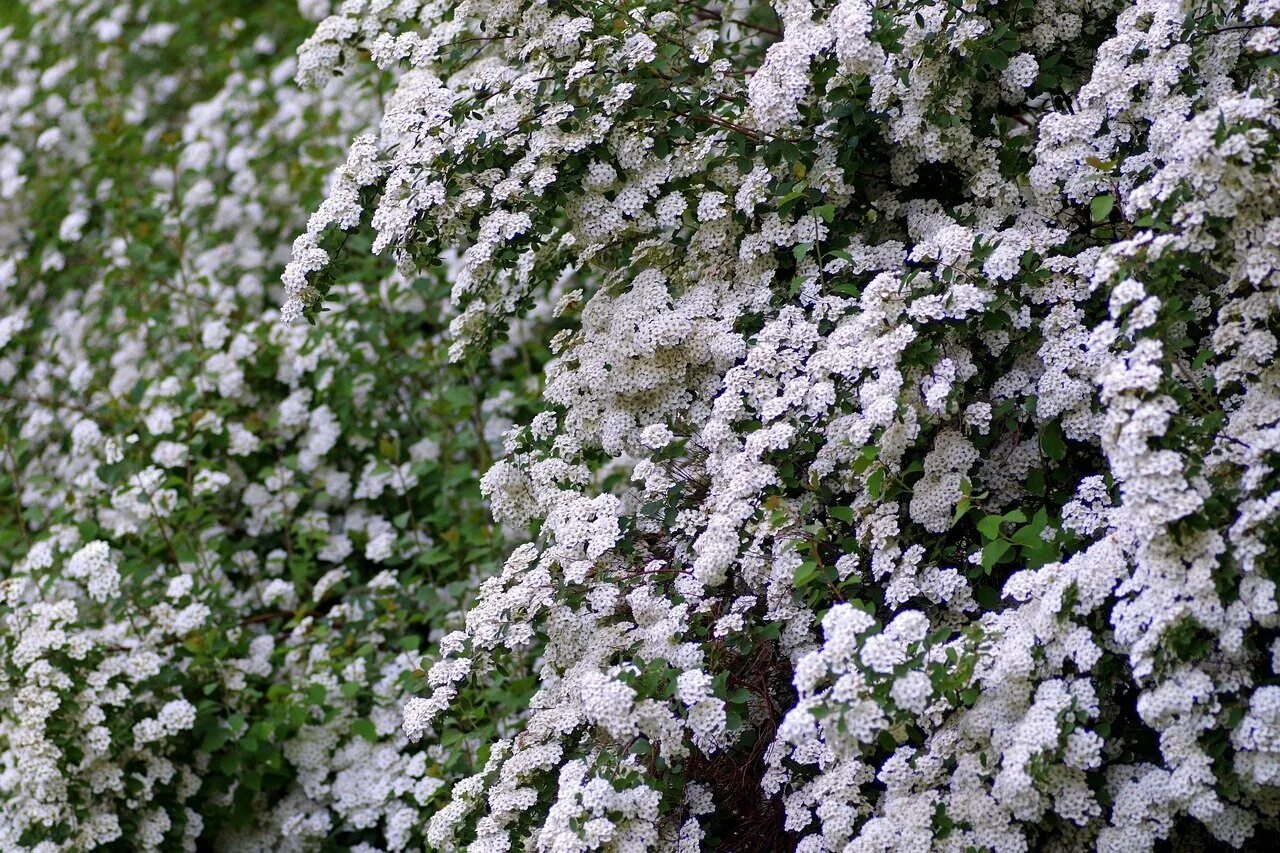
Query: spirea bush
{"type": "Point", "coordinates": [906, 469]}
{"type": "Point", "coordinates": [567, 426]}
{"type": "Point", "coordinates": [222, 538]}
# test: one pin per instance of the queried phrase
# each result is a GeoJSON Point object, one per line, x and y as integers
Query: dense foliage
{"type": "Point", "coordinates": [615, 426]}
{"type": "Point", "coordinates": [223, 538]}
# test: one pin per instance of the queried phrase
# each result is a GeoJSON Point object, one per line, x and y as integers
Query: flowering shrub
{"type": "Point", "coordinates": [906, 468]}
{"type": "Point", "coordinates": [830, 426]}
{"type": "Point", "coordinates": [222, 537]}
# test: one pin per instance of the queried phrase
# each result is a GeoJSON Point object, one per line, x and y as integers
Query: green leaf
{"type": "Point", "coordinates": [993, 552]}
{"type": "Point", "coordinates": [986, 597]}
{"type": "Point", "coordinates": [995, 59]}
{"type": "Point", "coordinates": [214, 739]}
{"type": "Point", "coordinates": [1052, 442]}
{"type": "Point", "coordinates": [874, 482]}
{"type": "Point", "coordinates": [1101, 206]}
{"type": "Point", "coordinates": [365, 729]}
{"type": "Point", "coordinates": [989, 526]}
{"type": "Point", "coordinates": [1029, 536]}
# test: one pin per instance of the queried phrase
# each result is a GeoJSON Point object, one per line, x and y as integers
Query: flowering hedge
{"type": "Point", "coordinates": [223, 538]}
{"type": "Point", "coordinates": [822, 426]}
